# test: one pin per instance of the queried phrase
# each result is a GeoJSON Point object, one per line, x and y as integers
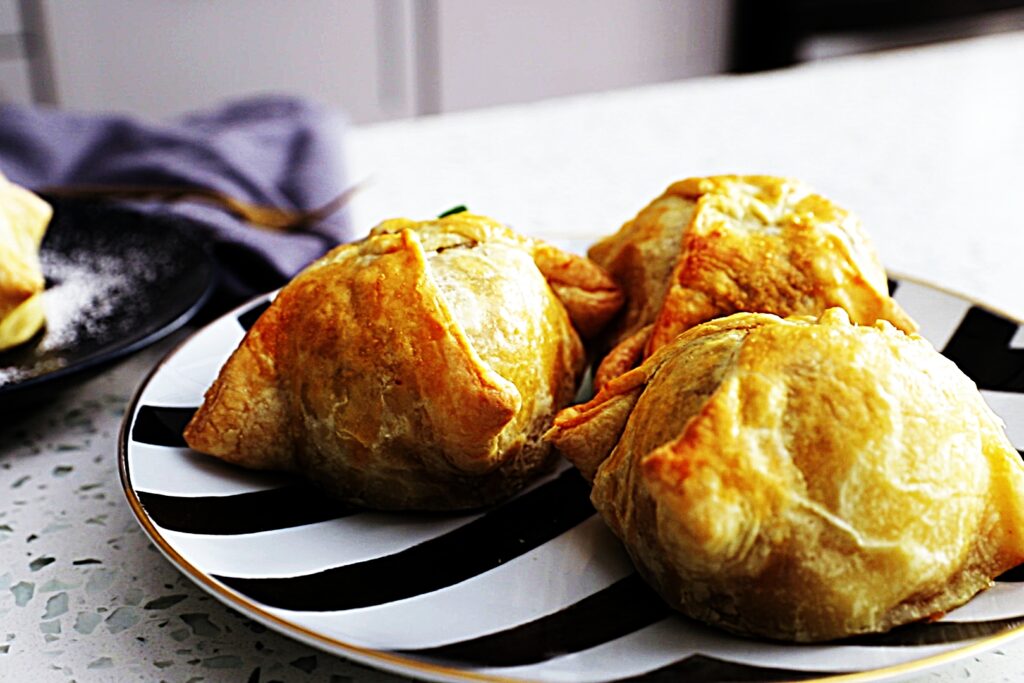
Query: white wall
{"type": "Point", "coordinates": [377, 59]}
{"type": "Point", "coordinates": [498, 52]}
{"type": "Point", "coordinates": [158, 57]}
{"type": "Point", "coordinates": [14, 78]}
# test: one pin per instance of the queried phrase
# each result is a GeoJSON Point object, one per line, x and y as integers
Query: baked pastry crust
{"type": "Point", "coordinates": [802, 479]}
{"type": "Point", "coordinates": [23, 221]}
{"type": "Point", "coordinates": [416, 369]}
{"type": "Point", "coordinates": [713, 246]}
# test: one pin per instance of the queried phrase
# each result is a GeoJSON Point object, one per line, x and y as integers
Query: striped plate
{"type": "Point", "coordinates": [536, 589]}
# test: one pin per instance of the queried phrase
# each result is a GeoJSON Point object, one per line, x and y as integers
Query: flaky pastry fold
{"type": "Point", "coordinates": [802, 479]}
{"type": "Point", "coordinates": [713, 246]}
{"type": "Point", "coordinates": [415, 369]}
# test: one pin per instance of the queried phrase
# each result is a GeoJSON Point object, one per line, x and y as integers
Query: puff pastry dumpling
{"type": "Point", "coordinates": [24, 218]}
{"type": "Point", "coordinates": [416, 369]}
{"type": "Point", "coordinates": [712, 246]}
{"type": "Point", "coordinates": [802, 479]}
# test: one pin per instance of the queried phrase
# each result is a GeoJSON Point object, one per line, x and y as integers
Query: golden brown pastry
{"type": "Point", "coordinates": [802, 479]}
{"type": "Point", "coordinates": [23, 221]}
{"type": "Point", "coordinates": [713, 246]}
{"type": "Point", "coordinates": [416, 369]}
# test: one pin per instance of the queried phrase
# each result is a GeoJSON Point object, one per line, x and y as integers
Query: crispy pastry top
{"type": "Point", "coordinates": [712, 246]}
{"type": "Point", "coordinates": [417, 368]}
{"type": "Point", "coordinates": [802, 479]}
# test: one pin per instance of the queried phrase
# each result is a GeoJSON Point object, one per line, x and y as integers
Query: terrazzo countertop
{"type": "Point", "coordinates": [84, 595]}
{"type": "Point", "coordinates": [926, 145]}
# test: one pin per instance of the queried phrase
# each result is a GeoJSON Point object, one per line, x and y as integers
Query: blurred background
{"type": "Point", "coordinates": [386, 59]}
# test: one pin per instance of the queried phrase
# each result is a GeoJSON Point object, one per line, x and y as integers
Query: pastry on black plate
{"type": "Point", "coordinates": [23, 221]}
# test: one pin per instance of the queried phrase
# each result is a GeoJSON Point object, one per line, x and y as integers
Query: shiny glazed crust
{"type": "Point", "coordinates": [23, 221]}
{"type": "Point", "coordinates": [416, 369]}
{"type": "Point", "coordinates": [802, 479]}
{"type": "Point", "coordinates": [713, 246]}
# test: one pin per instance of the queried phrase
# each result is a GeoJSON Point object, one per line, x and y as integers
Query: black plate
{"type": "Point", "coordinates": [116, 281]}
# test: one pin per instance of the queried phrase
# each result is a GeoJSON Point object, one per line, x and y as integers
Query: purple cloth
{"type": "Point", "coordinates": [275, 151]}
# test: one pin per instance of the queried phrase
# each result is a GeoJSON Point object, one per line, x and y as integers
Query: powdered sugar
{"type": "Point", "coordinates": [115, 280]}
{"type": "Point", "coordinates": [82, 298]}
{"type": "Point", "coordinates": [82, 293]}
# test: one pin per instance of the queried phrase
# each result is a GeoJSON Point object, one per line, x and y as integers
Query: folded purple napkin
{"type": "Point", "coordinates": [274, 151]}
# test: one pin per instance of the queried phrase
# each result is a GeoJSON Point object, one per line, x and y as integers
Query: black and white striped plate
{"type": "Point", "coordinates": [536, 589]}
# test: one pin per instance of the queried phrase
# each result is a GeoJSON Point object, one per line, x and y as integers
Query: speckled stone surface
{"type": "Point", "coordinates": [926, 145]}
{"type": "Point", "coordinates": [84, 595]}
